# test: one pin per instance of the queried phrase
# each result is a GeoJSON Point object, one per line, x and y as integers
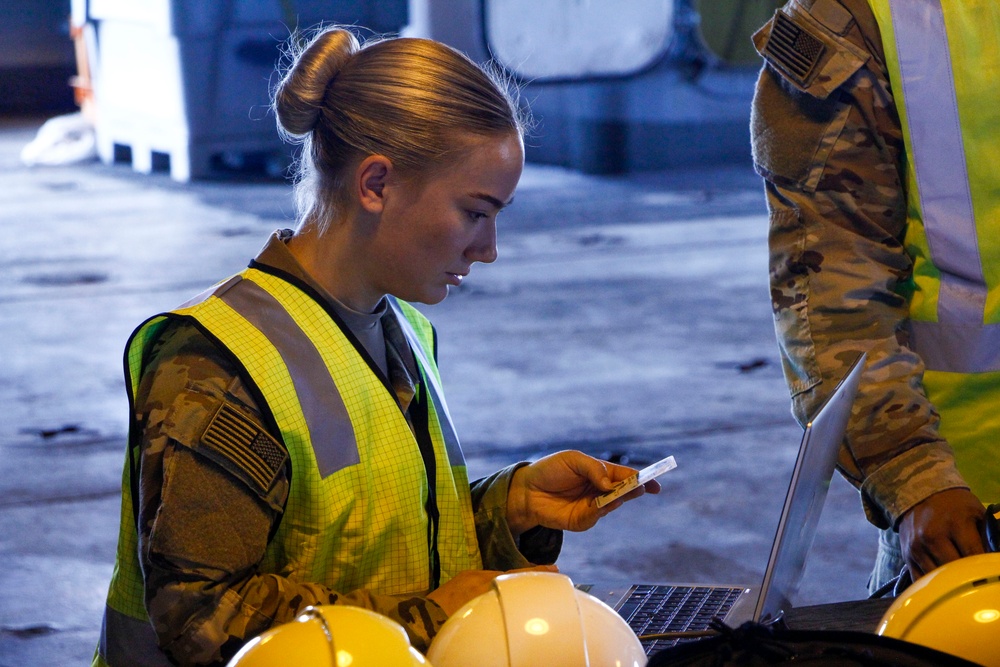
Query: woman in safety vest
{"type": "Point", "coordinates": [290, 444]}
{"type": "Point", "coordinates": [875, 128]}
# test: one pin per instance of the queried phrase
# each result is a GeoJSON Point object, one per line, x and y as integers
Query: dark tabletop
{"type": "Point", "coordinates": [857, 615]}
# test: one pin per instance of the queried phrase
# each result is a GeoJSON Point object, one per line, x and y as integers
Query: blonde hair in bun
{"type": "Point", "coordinates": [412, 100]}
{"type": "Point", "coordinates": [298, 99]}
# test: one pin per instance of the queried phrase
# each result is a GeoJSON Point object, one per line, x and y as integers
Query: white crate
{"type": "Point", "coordinates": [191, 78]}
{"type": "Point", "coordinates": [203, 17]}
{"type": "Point", "coordinates": [171, 17]}
{"type": "Point", "coordinates": [189, 98]}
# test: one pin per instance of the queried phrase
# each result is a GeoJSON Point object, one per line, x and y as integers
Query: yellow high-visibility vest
{"type": "Point", "coordinates": [356, 514]}
{"type": "Point", "coordinates": [944, 61]}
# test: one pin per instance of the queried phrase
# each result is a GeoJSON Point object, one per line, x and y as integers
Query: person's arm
{"type": "Point", "coordinates": [522, 510]}
{"type": "Point", "coordinates": [205, 521]}
{"type": "Point", "coordinates": [830, 150]}
{"type": "Point", "coordinates": [500, 548]}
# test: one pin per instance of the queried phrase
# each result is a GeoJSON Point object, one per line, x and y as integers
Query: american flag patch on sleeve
{"type": "Point", "coordinates": [240, 441]}
{"type": "Point", "coordinates": [793, 48]}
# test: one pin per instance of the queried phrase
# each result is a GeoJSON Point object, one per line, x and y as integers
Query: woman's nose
{"type": "Point", "coordinates": [484, 246]}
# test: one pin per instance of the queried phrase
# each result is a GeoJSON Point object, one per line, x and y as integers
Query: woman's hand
{"type": "Point", "coordinates": [470, 584]}
{"type": "Point", "coordinates": [558, 491]}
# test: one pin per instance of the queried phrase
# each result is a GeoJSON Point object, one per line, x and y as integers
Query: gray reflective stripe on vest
{"type": "Point", "coordinates": [215, 289]}
{"type": "Point", "coordinates": [129, 641]}
{"type": "Point", "coordinates": [331, 432]}
{"type": "Point", "coordinates": [938, 161]}
{"type": "Point", "coordinates": [455, 455]}
{"type": "Point", "coordinates": [957, 348]}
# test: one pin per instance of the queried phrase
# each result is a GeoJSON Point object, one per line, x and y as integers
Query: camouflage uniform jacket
{"type": "Point", "coordinates": [827, 141]}
{"type": "Point", "coordinates": [203, 527]}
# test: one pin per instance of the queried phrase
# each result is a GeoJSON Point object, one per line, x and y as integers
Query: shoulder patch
{"type": "Point", "coordinates": [806, 52]}
{"type": "Point", "coordinates": [794, 48]}
{"type": "Point", "coordinates": [240, 442]}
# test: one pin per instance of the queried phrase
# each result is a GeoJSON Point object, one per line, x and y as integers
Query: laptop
{"type": "Point", "coordinates": [663, 608]}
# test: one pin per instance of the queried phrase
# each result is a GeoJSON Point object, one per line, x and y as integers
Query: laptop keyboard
{"type": "Point", "coordinates": [652, 609]}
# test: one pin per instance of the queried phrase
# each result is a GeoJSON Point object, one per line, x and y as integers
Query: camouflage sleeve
{"type": "Point", "coordinates": [828, 143]}
{"type": "Point", "coordinates": [206, 515]}
{"type": "Point", "coordinates": [499, 549]}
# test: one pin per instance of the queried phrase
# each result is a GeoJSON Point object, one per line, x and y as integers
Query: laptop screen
{"type": "Point", "coordinates": [807, 491]}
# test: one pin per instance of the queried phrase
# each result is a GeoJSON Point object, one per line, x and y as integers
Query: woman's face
{"type": "Point", "coordinates": [431, 232]}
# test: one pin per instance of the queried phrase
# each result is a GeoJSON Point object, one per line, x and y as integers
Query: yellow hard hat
{"type": "Point", "coordinates": [954, 609]}
{"type": "Point", "coordinates": [332, 636]}
{"type": "Point", "coordinates": [535, 619]}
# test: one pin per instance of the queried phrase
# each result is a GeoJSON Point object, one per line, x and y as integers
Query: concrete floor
{"type": "Point", "coordinates": [627, 317]}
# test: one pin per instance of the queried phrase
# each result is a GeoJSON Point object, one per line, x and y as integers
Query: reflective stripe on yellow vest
{"type": "Point", "coordinates": [355, 515]}
{"type": "Point", "coordinates": [943, 59]}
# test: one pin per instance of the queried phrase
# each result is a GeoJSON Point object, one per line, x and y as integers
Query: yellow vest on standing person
{"type": "Point", "coordinates": [943, 58]}
{"type": "Point", "coordinates": [357, 511]}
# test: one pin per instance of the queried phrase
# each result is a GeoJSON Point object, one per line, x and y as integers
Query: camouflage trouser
{"type": "Point", "coordinates": [888, 560]}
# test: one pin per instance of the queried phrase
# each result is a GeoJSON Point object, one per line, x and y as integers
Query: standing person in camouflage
{"type": "Point", "coordinates": [875, 128]}
{"type": "Point", "coordinates": [289, 443]}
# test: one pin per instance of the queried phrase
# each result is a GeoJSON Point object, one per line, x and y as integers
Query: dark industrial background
{"type": "Point", "coordinates": [628, 315]}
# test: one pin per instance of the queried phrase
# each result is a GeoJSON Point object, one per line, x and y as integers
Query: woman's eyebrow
{"type": "Point", "coordinates": [490, 199]}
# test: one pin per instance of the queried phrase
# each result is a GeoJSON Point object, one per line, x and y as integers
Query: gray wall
{"type": "Point", "coordinates": [690, 107]}
{"type": "Point", "coordinates": [36, 56]}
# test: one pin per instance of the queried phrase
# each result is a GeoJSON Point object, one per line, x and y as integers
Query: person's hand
{"type": "Point", "coordinates": [944, 527]}
{"type": "Point", "coordinates": [469, 584]}
{"type": "Point", "coordinates": [558, 492]}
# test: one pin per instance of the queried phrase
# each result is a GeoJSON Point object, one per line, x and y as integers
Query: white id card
{"type": "Point", "coordinates": [636, 480]}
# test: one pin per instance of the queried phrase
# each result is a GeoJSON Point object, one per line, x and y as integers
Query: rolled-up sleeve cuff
{"type": "Point", "coordinates": [909, 479]}
{"type": "Point", "coordinates": [499, 550]}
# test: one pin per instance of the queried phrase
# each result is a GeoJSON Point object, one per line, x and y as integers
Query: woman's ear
{"type": "Point", "coordinates": [370, 179]}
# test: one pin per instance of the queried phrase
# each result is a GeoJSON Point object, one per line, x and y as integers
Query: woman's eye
{"type": "Point", "coordinates": [477, 215]}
